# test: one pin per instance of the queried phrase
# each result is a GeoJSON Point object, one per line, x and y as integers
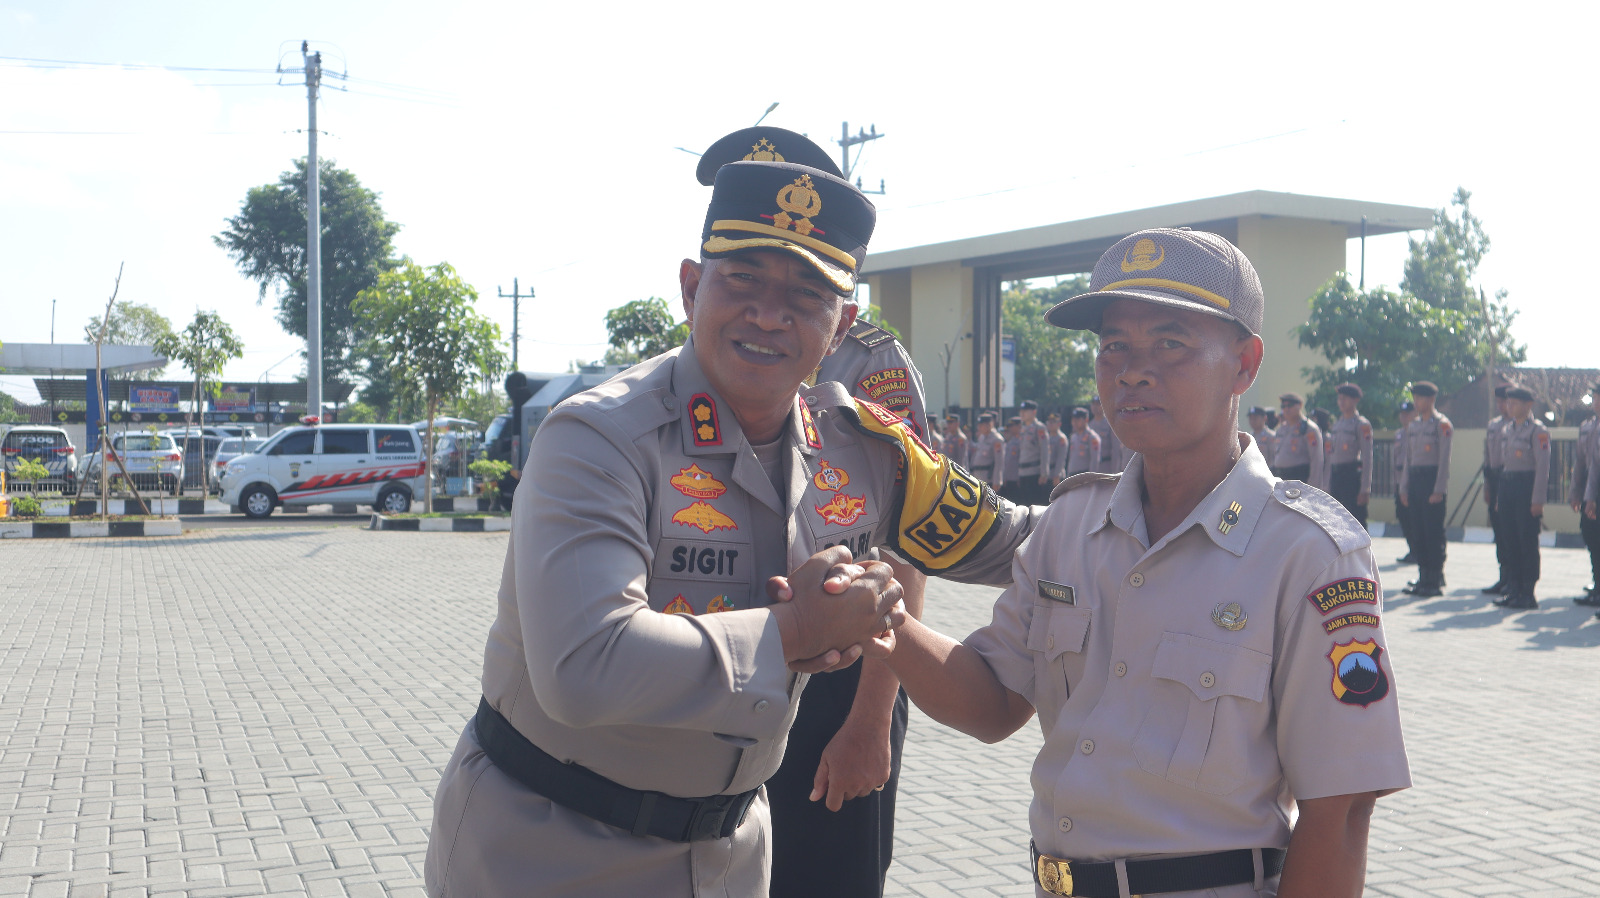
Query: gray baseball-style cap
{"type": "Point", "coordinates": [1171, 267]}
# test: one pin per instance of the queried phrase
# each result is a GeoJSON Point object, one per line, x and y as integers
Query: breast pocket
{"type": "Point", "coordinates": [1056, 637]}
{"type": "Point", "coordinates": [1210, 704]}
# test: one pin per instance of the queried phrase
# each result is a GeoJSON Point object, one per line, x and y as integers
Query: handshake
{"type": "Point", "coordinates": [832, 608]}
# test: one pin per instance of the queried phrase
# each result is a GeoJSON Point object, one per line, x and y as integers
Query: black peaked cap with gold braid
{"type": "Point", "coordinates": [763, 143]}
{"type": "Point", "coordinates": [793, 208]}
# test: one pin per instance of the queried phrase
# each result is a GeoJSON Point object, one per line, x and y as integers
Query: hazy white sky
{"type": "Point", "coordinates": [537, 140]}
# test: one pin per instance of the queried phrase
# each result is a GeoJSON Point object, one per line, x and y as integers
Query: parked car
{"type": "Point", "coordinates": [365, 464]}
{"type": "Point", "coordinates": [51, 447]}
{"type": "Point", "coordinates": [227, 451]}
{"type": "Point", "coordinates": [199, 446]}
{"type": "Point", "coordinates": [152, 460]}
{"type": "Point", "coordinates": [452, 453]}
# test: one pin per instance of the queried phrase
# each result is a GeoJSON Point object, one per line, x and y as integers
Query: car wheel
{"type": "Point", "coordinates": [257, 502]}
{"type": "Point", "coordinates": [393, 500]}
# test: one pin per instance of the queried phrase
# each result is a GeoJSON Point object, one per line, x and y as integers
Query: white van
{"type": "Point", "coordinates": [364, 464]}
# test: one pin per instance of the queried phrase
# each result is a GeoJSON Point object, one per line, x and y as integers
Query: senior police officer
{"type": "Point", "coordinates": [1493, 463]}
{"type": "Point", "coordinates": [1349, 443]}
{"type": "Point", "coordinates": [1298, 454]}
{"type": "Point", "coordinates": [1202, 641]}
{"type": "Point", "coordinates": [1519, 503]}
{"type": "Point", "coordinates": [1423, 481]}
{"type": "Point", "coordinates": [637, 682]}
{"type": "Point", "coordinates": [1112, 456]}
{"type": "Point", "coordinates": [988, 452]}
{"type": "Point", "coordinates": [833, 797]}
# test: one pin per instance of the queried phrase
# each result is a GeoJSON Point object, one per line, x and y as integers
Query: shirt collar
{"type": "Point", "coordinates": [1228, 514]}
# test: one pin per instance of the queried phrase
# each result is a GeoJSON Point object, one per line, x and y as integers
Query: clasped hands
{"type": "Point", "coordinates": [831, 607]}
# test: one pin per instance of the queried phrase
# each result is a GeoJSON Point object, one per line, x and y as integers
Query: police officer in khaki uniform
{"type": "Point", "coordinates": [1202, 642]}
{"type": "Point", "coordinates": [1033, 476]}
{"type": "Point", "coordinates": [1423, 482]}
{"type": "Point", "coordinates": [1112, 456]}
{"type": "Point", "coordinates": [1584, 494]}
{"type": "Point", "coordinates": [1519, 502]}
{"type": "Point", "coordinates": [1056, 445]}
{"type": "Point", "coordinates": [1397, 456]}
{"type": "Point", "coordinates": [1266, 438]}
{"type": "Point", "coordinates": [988, 452]}
{"type": "Point", "coordinates": [1493, 463]}
{"type": "Point", "coordinates": [637, 681]}
{"type": "Point", "coordinates": [1083, 446]}
{"type": "Point", "coordinates": [956, 442]}
{"type": "Point", "coordinates": [1011, 467]}
{"type": "Point", "coordinates": [1349, 443]}
{"type": "Point", "coordinates": [1298, 454]}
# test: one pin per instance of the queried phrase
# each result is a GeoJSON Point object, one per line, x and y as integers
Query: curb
{"type": "Point", "coordinates": [83, 529]}
{"type": "Point", "coordinates": [159, 505]}
{"type": "Point", "coordinates": [440, 525]}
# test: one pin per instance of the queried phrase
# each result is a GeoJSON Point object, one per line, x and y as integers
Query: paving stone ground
{"type": "Point", "coordinates": [265, 712]}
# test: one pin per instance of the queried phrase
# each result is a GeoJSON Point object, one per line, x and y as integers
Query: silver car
{"type": "Point", "coordinates": [153, 460]}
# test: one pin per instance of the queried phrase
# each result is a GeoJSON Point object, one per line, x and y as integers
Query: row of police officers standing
{"type": "Point", "coordinates": [1027, 460]}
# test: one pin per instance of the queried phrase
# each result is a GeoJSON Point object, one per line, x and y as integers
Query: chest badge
{"type": "Point", "coordinates": [703, 515]}
{"type": "Point", "coordinates": [678, 606]}
{"type": "Point", "coordinates": [1058, 592]}
{"type": "Point", "coordinates": [830, 478]}
{"type": "Point", "coordinates": [693, 481]}
{"type": "Point", "coordinates": [843, 510]}
{"type": "Point", "coordinates": [1229, 617]}
{"type": "Point", "coordinates": [719, 603]}
{"type": "Point", "coordinates": [1230, 517]}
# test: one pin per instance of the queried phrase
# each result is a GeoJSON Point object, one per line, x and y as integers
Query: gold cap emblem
{"type": "Point", "coordinates": [763, 151]}
{"type": "Point", "coordinates": [799, 201]}
{"type": "Point", "coordinates": [1143, 256]}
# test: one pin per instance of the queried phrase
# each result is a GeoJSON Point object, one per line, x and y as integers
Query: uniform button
{"type": "Point", "coordinates": [762, 705]}
{"type": "Point", "coordinates": [1121, 669]}
{"type": "Point", "coordinates": [1051, 641]}
{"type": "Point", "coordinates": [1086, 746]}
{"type": "Point", "coordinates": [1292, 493]}
{"type": "Point", "coordinates": [811, 400]}
{"type": "Point", "coordinates": [1136, 578]}
{"type": "Point", "coordinates": [668, 403]}
{"type": "Point", "coordinates": [1065, 824]}
{"type": "Point", "coordinates": [1207, 680]}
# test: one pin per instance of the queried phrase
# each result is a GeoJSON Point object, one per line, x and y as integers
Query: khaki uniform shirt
{"type": "Point", "coordinates": [874, 366]}
{"type": "Point", "coordinates": [1011, 468]}
{"type": "Point", "coordinates": [1300, 444]}
{"type": "Point", "coordinates": [631, 637]}
{"type": "Point", "coordinates": [1493, 452]}
{"type": "Point", "coordinates": [987, 454]}
{"type": "Point", "coordinates": [1191, 690]}
{"type": "Point", "coordinates": [1035, 450]}
{"type": "Point", "coordinates": [1057, 444]}
{"type": "Point", "coordinates": [1586, 464]}
{"type": "Point", "coordinates": [1112, 454]}
{"type": "Point", "coordinates": [956, 446]}
{"type": "Point", "coordinates": [1085, 450]}
{"type": "Point", "coordinates": [1267, 442]}
{"type": "Point", "coordinates": [1428, 444]}
{"type": "Point", "coordinates": [1526, 447]}
{"type": "Point", "coordinates": [1350, 440]}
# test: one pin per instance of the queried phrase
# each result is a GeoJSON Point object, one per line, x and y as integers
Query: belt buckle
{"type": "Point", "coordinates": [706, 821]}
{"type": "Point", "coordinates": [1055, 875]}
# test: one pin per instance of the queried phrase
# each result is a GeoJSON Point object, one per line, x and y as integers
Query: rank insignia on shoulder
{"type": "Point", "coordinates": [703, 420]}
{"type": "Point", "coordinates": [1230, 616]}
{"type": "Point", "coordinates": [678, 606]}
{"type": "Point", "coordinates": [1230, 517]}
{"type": "Point", "coordinates": [1358, 674]}
{"type": "Point", "coordinates": [1058, 592]}
{"type": "Point", "coordinates": [809, 425]}
{"type": "Point", "coordinates": [870, 335]}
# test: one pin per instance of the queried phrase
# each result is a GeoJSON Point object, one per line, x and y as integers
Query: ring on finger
{"type": "Point", "coordinates": [887, 623]}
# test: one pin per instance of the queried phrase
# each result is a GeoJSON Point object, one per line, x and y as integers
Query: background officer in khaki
{"type": "Point", "coordinates": [1266, 438]}
{"type": "Point", "coordinates": [1349, 443]}
{"type": "Point", "coordinates": [1298, 454]}
{"type": "Point", "coordinates": [1084, 445]}
{"type": "Point", "coordinates": [956, 442]}
{"type": "Point", "coordinates": [1423, 482]}
{"type": "Point", "coordinates": [1056, 444]}
{"type": "Point", "coordinates": [988, 452]}
{"type": "Point", "coordinates": [1011, 465]}
{"type": "Point", "coordinates": [637, 681]}
{"type": "Point", "coordinates": [1202, 641]}
{"type": "Point", "coordinates": [1493, 463]}
{"type": "Point", "coordinates": [1524, 479]}
{"type": "Point", "coordinates": [1113, 457]}
{"type": "Point", "coordinates": [1033, 476]}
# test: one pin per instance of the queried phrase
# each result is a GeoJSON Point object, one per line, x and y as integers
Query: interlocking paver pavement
{"type": "Point", "coordinates": [266, 712]}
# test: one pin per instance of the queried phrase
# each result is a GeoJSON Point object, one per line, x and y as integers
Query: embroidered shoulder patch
{"type": "Point", "coordinates": [879, 384]}
{"type": "Point", "coordinates": [1444, 427]}
{"type": "Point", "coordinates": [1358, 674]}
{"type": "Point", "coordinates": [1349, 591]}
{"type": "Point", "coordinates": [1353, 619]}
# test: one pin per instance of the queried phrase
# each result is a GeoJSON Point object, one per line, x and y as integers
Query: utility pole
{"type": "Point", "coordinates": [1363, 253]}
{"type": "Point", "coordinates": [313, 63]}
{"type": "Point", "coordinates": [846, 142]}
{"type": "Point", "coordinates": [516, 297]}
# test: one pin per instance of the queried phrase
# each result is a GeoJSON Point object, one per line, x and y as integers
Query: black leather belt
{"type": "Point", "coordinates": [1152, 877]}
{"type": "Point", "coordinates": [592, 795]}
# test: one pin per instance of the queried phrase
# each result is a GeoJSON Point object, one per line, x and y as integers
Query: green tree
{"type": "Point", "coordinates": [429, 334]}
{"type": "Point", "coordinates": [205, 347]}
{"type": "Point", "coordinates": [8, 409]}
{"type": "Point", "coordinates": [873, 315]}
{"type": "Point", "coordinates": [1054, 367]}
{"type": "Point", "coordinates": [267, 241]}
{"type": "Point", "coordinates": [642, 329]}
{"type": "Point", "coordinates": [131, 324]}
{"type": "Point", "coordinates": [1436, 328]}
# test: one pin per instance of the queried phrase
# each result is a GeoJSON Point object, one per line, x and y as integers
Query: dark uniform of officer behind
{"type": "Point", "coordinates": [1525, 450]}
{"type": "Point", "coordinates": [1349, 442]}
{"type": "Point", "coordinates": [1423, 484]}
{"type": "Point", "coordinates": [1493, 462]}
{"type": "Point", "coordinates": [1583, 496]}
{"type": "Point", "coordinates": [1402, 514]}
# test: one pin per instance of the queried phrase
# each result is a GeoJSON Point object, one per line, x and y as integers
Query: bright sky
{"type": "Point", "coordinates": [537, 140]}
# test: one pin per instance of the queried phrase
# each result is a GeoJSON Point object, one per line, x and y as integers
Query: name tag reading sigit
{"type": "Point", "coordinates": [1057, 591]}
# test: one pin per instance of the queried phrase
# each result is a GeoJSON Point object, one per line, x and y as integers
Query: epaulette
{"type": "Point", "coordinates": [1084, 479]}
{"type": "Point", "coordinates": [870, 335]}
{"type": "Point", "coordinates": [1325, 511]}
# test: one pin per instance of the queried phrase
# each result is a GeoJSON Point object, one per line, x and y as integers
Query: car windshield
{"type": "Point", "coordinates": [228, 446]}
{"type": "Point", "coordinates": [142, 442]}
{"type": "Point", "coordinates": [496, 428]}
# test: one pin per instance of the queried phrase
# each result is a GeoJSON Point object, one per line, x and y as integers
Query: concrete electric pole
{"type": "Point", "coordinates": [845, 143]}
{"type": "Point", "coordinates": [516, 297]}
{"type": "Point", "coordinates": [313, 63]}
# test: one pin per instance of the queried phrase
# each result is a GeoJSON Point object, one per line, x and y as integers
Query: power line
{"type": "Point", "coordinates": [30, 62]}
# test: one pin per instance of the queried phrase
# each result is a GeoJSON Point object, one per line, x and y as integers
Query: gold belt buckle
{"type": "Point", "coordinates": [1055, 875]}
